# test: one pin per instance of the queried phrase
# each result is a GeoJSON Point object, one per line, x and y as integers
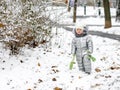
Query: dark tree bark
{"type": "Point", "coordinates": [23, 1]}
{"type": "Point", "coordinates": [118, 10]}
{"type": "Point", "coordinates": [107, 13]}
{"type": "Point", "coordinates": [69, 7]}
{"type": "Point", "coordinates": [75, 11]}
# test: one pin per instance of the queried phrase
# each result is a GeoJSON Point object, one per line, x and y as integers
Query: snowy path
{"type": "Point", "coordinates": [99, 33]}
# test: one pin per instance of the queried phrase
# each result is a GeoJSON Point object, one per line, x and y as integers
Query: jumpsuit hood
{"type": "Point", "coordinates": [83, 27]}
{"type": "Point", "coordinates": [80, 35]}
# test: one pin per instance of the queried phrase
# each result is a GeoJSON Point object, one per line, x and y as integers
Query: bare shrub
{"type": "Point", "coordinates": [25, 23]}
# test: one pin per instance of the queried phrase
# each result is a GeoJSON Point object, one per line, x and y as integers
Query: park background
{"type": "Point", "coordinates": [46, 66]}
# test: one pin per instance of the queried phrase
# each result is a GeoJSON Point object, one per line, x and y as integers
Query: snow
{"type": "Point", "coordinates": [39, 69]}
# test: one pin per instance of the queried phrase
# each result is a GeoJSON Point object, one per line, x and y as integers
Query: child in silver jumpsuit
{"type": "Point", "coordinates": [82, 46]}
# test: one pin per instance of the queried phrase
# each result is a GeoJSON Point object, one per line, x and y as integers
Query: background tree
{"type": "Point", "coordinates": [75, 11]}
{"type": "Point", "coordinates": [118, 10]}
{"type": "Point", "coordinates": [68, 6]}
{"type": "Point", "coordinates": [107, 13]}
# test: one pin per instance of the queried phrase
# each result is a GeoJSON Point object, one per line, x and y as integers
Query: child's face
{"type": "Point", "coordinates": [79, 31]}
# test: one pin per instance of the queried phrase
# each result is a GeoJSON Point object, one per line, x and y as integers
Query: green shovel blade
{"type": "Point", "coordinates": [71, 65]}
{"type": "Point", "coordinates": [92, 58]}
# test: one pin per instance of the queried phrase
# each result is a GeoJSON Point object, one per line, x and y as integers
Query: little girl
{"type": "Point", "coordinates": [82, 46]}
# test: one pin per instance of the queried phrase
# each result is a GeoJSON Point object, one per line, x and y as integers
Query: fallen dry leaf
{"type": "Point", "coordinates": [29, 89]}
{"type": "Point", "coordinates": [54, 67]}
{"type": "Point", "coordinates": [55, 70]}
{"type": "Point", "coordinates": [2, 25]}
{"type": "Point", "coordinates": [57, 88]}
{"type": "Point", "coordinates": [21, 61]}
{"type": "Point", "coordinates": [54, 79]}
{"type": "Point", "coordinates": [39, 64]}
{"type": "Point", "coordinates": [98, 76]}
{"type": "Point", "coordinates": [103, 58]}
{"type": "Point", "coordinates": [108, 76]}
{"type": "Point", "coordinates": [114, 67]}
{"type": "Point", "coordinates": [39, 80]}
{"type": "Point", "coordinates": [79, 77]}
{"type": "Point", "coordinates": [97, 70]}
{"type": "Point", "coordinates": [96, 85]}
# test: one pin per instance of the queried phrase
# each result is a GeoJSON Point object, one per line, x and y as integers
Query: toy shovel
{"type": "Point", "coordinates": [91, 58]}
{"type": "Point", "coordinates": [72, 63]}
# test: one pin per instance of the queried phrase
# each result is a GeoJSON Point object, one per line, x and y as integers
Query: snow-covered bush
{"type": "Point", "coordinates": [24, 22]}
{"type": "Point", "coordinates": [17, 38]}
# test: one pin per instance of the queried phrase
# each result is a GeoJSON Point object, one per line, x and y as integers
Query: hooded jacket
{"type": "Point", "coordinates": [81, 43]}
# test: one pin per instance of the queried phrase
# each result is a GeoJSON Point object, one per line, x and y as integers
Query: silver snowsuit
{"type": "Point", "coordinates": [80, 46]}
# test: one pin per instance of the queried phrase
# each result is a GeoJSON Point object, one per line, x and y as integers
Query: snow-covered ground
{"type": "Point", "coordinates": [39, 69]}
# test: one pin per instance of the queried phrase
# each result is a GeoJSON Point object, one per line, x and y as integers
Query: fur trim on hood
{"type": "Point", "coordinates": [79, 26]}
{"type": "Point", "coordinates": [85, 32]}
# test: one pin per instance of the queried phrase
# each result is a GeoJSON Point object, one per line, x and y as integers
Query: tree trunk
{"type": "Point", "coordinates": [118, 10]}
{"type": "Point", "coordinates": [23, 1]}
{"type": "Point", "coordinates": [69, 7]}
{"type": "Point", "coordinates": [107, 13]}
{"type": "Point", "coordinates": [75, 11]}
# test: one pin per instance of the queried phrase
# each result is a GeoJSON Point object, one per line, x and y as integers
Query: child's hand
{"type": "Point", "coordinates": [88, 52]}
